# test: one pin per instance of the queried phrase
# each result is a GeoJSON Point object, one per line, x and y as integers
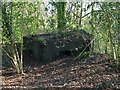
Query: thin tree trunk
{"type": "Point", "coordinates": [80, 21]}
{"type": "Point", "coordinates": [61, 15]}
{"type": "Point", "coordinates": [93, 28]}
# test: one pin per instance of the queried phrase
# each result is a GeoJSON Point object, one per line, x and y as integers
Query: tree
{"type": "Point", "coordinates": [8, 34]}
{"type": "Point", "coordinates": [61, 15]}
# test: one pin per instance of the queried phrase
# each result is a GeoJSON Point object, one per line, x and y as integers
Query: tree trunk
{"type": "Point", "coordinates": [7, 23]}
{"type": "Point", "coordinates": [61, 16]}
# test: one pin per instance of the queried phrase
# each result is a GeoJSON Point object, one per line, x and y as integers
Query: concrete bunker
{"type": "Point", "coordinates": [47, 47]}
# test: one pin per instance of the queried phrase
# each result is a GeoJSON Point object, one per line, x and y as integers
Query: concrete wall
{"type": "Point", "coordinates": [54, 44]}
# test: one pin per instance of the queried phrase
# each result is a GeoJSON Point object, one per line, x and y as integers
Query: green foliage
{"type": "Point", "coordinates": [101, 19]}
{"type": "Point", "coordinates": [41, 40]}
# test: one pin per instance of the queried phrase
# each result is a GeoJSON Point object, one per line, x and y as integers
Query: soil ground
{"type": "Point", "coordinates": [94, 72]}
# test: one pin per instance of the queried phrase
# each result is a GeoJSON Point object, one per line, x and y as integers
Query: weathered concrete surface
{"type": "Point", "coordinates": [47, 47]}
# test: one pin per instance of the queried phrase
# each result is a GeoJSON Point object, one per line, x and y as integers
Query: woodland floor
{"type": "Point", "coordinates": [95, 72]}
